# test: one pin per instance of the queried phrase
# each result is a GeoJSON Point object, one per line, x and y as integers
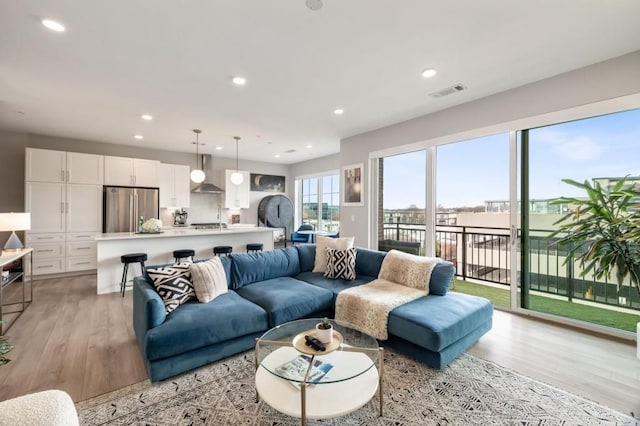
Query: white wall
{"type": "Point", "coordinates": [606, 80]}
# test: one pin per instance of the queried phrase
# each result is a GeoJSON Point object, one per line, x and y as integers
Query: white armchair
{"type": "Point", "coordinates": [46, 408]}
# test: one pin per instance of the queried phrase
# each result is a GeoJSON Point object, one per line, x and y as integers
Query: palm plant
{"type": "Point", "coordinates": [603, 230]}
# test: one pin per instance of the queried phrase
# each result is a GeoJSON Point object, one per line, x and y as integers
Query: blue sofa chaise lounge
{"type": "Point", "coordinates": [273, 287]}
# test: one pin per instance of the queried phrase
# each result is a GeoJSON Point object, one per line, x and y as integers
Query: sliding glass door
{"type": "Point", "coordinates": [599, 151]}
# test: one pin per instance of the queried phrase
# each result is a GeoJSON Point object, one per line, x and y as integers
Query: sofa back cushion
{"type": "Point", "coordinates": [248, 268]}
{"type": "Point", "coordinates": [307, 256]}
{"type": "Point", "coordinates": [368, 262]}
{"type": "Point", "coordinates": [441, 277]}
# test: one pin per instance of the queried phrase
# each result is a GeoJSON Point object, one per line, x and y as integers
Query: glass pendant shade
{"type": "Point", "coordinates": [197, 175]}
{"type": "Point", "coordinates": [236, 177]}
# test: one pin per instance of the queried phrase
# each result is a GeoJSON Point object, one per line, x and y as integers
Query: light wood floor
{"type": "Point", "coordinates": [74, 340]}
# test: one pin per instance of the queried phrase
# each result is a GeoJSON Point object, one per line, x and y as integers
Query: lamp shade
{"type": "Point", "coordinates": [15, 221]}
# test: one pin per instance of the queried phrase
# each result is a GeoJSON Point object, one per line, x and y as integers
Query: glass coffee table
{"type": "Point", "coordinates": [302, 382]}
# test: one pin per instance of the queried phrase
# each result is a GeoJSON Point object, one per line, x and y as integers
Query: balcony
{"type": "Point", "coordinates": [481, 256]}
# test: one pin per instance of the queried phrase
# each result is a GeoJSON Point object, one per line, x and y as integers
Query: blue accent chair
{"type": "Point", "coordinates": [302, 238]}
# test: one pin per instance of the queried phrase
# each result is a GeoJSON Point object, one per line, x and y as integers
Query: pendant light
{"type": "Point", "coordinates": [236, 177]}
{"type": "Point", "coordinates": [197, 175]}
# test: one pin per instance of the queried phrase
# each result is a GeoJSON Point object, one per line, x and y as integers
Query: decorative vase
{"type": "Point", "coordinates": [325, 335]}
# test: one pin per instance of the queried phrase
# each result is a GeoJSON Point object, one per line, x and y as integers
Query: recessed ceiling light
{"type": "Point", "coordinates": [429, 72]}
{"type": "Point", "coordinates": [218, 148]}
{"type": "Point", "coordinates": [146, 117]}
{"type": "Point", "coordinates": [139, 137]}
{"type": "Point", "coordinates": [277, 155]}
{"type": "Point", "coordinates": [338, 111]}
{"type": "Point", "coordinates": [239, 81]}
{"type": "Point", "coordinates": [53, 25]}
{"type": "Point", "coordinates": [309, 146]}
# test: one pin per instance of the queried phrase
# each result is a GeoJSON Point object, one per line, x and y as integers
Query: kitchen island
{"type": "Point", "coordinates": [159, 248]}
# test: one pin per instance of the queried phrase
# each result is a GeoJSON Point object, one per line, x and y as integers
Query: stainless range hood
{"type": "Point", "coordinates": [208, 188]}
{"type": "Point", "coordinates": [205, 187]}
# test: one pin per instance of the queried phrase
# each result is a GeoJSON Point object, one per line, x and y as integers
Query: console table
{"type": "Point", "coordinates": [11, 307]}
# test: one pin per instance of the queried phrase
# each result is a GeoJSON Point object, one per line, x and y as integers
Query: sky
{"type": "Point", "coordinates": [471, 172]}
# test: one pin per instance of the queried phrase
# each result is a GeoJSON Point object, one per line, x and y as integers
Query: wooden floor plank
{"type": "Point", "coordinates": [72, 339]}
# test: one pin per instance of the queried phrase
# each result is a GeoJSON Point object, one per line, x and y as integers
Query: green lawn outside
{"type": "Point", "coordinates": [605, 317]}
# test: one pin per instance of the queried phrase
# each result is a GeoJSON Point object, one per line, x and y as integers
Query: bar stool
{"type": "Point", "coordinates": [183, 254]}
{"type": "Point", "coordinates": [254, 247]}
{"type": "Point", "coordinates": [127, 259]}
{"type": "Point", "coordinates": [222, 250]}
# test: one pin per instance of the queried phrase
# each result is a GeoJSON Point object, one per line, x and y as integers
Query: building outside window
{"type": "Point", "coordinates": [318, 202]}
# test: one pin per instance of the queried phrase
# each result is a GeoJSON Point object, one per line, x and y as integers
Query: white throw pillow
{"type": "Point", "coordinates": [408, 269]}
{"type": "Point", "coordinates": [321, 254]}
{"type": "Point", "coordinates": [209, 279]}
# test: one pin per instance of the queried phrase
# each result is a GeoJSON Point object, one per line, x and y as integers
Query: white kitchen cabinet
{"type": "Point", "coordinates": [81, 252]}
{"type": "Point", "coordinates": [236, 196]}
{"type": "Point", "coordinates": [61, 210]}
{"type": "Point", "coordinates": [85, 168]}
{"type": "Point", "coordinates": [124, 171]}
{"type": "Point", "coordinates": [84, 208]}
{"type": "Point", "coordinates": [47, 204]}
{"type": "Point", "coordinates": [44, 165]}
{"type": "Point", "coordinates": [175, 186]}
{"type": "Point", "coordinates": [48, 252]}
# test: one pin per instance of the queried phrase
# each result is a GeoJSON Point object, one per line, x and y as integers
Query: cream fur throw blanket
{"type": "Point", "coordinates": [403, 277]}
{"type": "Point", "coordinates": [366, 308]}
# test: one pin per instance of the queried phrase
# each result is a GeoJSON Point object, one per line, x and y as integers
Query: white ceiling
{"type": "Point", "coordinates": [175, 59]}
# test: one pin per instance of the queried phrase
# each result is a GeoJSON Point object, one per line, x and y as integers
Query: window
{"type": "Point", "coordinates": [319, 202]}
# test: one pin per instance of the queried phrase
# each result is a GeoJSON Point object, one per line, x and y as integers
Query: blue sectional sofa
{"type": "Point", "coordinates": [273, 287]}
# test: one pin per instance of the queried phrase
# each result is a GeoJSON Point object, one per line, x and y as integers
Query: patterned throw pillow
{"type": "Point", "coordinates": [173, 284]}
{"type": "Point", "coordinates": [341, 264]}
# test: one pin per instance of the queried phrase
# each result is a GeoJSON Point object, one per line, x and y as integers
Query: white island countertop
{"type": "Point", "coordinates": [181, 232]}
{"type": "Point", "coordinates": [159, 248]}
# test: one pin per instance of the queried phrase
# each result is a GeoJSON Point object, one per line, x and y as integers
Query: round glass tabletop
{"type": "Point", "coordinates": [276, 352]}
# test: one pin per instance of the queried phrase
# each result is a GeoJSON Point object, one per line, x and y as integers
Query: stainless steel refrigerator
{"type": "Point", "coordinates": [123, 207]}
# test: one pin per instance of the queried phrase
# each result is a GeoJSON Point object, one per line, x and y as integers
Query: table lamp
{"type": "Point", "coordinates": [14, 222]}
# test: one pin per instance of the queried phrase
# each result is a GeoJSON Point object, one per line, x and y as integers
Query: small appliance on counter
{"type": "Point", "coordinates": [180, 217]}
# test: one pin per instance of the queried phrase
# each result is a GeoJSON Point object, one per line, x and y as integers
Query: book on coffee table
{"type": "Point", "coordinates": [296, 369]}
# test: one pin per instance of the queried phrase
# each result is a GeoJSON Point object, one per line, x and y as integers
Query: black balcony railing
{"type": "Point", "coordinates": [483, 254]}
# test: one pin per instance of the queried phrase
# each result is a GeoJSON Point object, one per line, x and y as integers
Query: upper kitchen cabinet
{"type": "Point", "coordinates": [123, 171]}
{"type": "Point", "coordinates": [175, 186]}
{"type": "Point", "coordinates": [87, 169]}
{"type": "Point", "coordinates": [236, 196]}
{"type": "Point", "coordinates": [44, 165]}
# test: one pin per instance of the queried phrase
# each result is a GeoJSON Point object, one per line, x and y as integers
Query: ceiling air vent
{"type": "Point", "coordinates": [448, 91]}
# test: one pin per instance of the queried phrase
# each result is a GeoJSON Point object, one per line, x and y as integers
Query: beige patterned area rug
{"type": "Point", "coordinates": [470, 391]}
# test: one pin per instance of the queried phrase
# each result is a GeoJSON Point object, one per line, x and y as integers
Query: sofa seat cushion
{"type": "Point", "coordinates": [287, 299]}
{"type": "Point", "coordinates": [195, 325]}
{"type": "Point", "coordinates": [435, 322]}
{"type": "Point", "coordinates": [335, 285]}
